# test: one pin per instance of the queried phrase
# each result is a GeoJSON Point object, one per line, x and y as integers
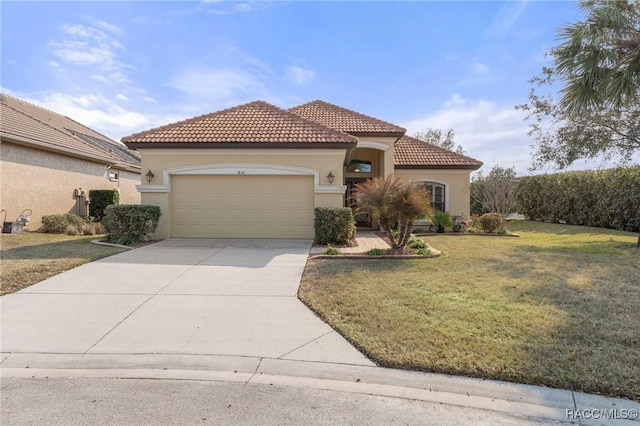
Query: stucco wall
{"type": "Point", "coordinates": [376, 158]}
{"type": "Point", "coordinates": [45, 182]}
{"type": "Point", "coordinates": [159, 160]}
{"type": "Point", "coordinates": [383, 144]}
{"type": "Point", "coordinates": [457, 184]}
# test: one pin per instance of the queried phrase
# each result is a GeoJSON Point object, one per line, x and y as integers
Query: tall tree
{"type": "Point", "coordinates": [598, 65]}
{"type": "Point", "coordinates": [437, 137]}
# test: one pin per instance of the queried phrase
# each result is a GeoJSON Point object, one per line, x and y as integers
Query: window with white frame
{"type": "Point", "coordinates": [438, 194]}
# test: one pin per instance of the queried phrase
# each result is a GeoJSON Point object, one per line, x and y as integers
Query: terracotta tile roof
{"type": "Point", "coordinates": [41, 127]}
{"type": "Point", "coordinates": [415, 153]}
{"type": "Point", "coordinates": [252, 123]}
{"type": "Point", "coordinates": [346, 120]}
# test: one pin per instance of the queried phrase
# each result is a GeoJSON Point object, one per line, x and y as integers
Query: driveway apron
{"type": "Point", "coordinates": [178, 296]}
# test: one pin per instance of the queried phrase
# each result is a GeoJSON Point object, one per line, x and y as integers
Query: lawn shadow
{"type": "Point", "coordinates": [80, 248]}
{"type": "Point", "coordinates": [548, 228]}
{"type": "Point", "coordinates": [593, 291]}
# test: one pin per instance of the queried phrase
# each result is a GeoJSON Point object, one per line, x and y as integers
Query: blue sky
{"type": "Point", "coordinates": [122, 67]}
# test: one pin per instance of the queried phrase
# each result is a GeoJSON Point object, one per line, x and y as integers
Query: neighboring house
{"type": "Point", "coordinates": [259, 171]}
{"type": "Point", "coordinates": [47, 160]}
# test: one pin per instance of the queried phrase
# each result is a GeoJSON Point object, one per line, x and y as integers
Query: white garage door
{"type": "Point", "coordinates": [205, 206]}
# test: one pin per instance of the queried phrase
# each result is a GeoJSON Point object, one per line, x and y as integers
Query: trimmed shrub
{"type": "Point", "coordinates": [490, 222]}
{"type": "Point", "coordinates": [129, 224]}
{"type": "Point", "coordinates": [332, 251]}
{"type": "Point", "coordinates": [603, 198]}
{"type": "Point", "coordinates": [416, 243]}
{"type": "Point", "coordinates": [99, 199]}
{"type": "Point", "coordinates": [58, 223]}
{"type": "Point", "coordinates": [376, 252]}
{"type": "Point", "coordinates": [334, 225]}
{"type": "Point", "coordinates": [88, 229]}
{"type": "Point", "coordinates": [442, 220]}
{"type": "Point", "coordinates": [72, 230]}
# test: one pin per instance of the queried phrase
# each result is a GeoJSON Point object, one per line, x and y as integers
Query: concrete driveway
{"type": "Point", "coordinates": [181, 297]}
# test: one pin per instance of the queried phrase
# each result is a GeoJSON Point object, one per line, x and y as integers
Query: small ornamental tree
{"type": "Point", "coordinates": [393, 200]}
{"type": "Point", "coordinates": [497, 192]}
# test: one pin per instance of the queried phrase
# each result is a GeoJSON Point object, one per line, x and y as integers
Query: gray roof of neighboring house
{"type": "Point", "coordinates": [29, 124]}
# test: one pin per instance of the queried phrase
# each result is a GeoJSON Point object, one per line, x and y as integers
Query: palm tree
{"type": "Point", "coordinates": [393, 200]}
{"type": "Point", "coordinates": [599, 60]}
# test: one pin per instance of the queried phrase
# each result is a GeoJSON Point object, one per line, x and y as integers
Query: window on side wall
{"type": "Point", "coordinates": [437, 191]}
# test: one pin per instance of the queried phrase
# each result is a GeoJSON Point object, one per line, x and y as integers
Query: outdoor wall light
{"type": "Point", "coordinates": [149, 176]}
{"type": "Point", "coordinates": [330, 177]}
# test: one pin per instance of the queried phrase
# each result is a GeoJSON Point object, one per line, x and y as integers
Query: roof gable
{"type": "Point", "coordinates": [417, 154]}
{"type": "Point", "coordinates": [346, 120]}
{"type": "Point", "coordinates": [254, 123]}
{"type": "Point", "coordinates": [31, 124]}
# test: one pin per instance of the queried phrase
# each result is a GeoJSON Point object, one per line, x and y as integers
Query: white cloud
{"type": "Point", "coordinates": [299, 75]}
{"type": "Point", "coordinates": [114, 29]}
{"type": "Point", "coordinates": [97, 112]}
{"type": "Point", "coordinates": [218, 84]}
{"type": "Point", "coordinates": [81, 53]}
{"type": "Point", "coordinates": [492, 133]}
{"type": "Point", "coordinates": [455, 100]}
{"type": "Point", "coordinates": [237, 7]}
{"type": "Point", "coordinates": [101, 78]}
{"type": "Point", "coordinates": [90, 46]}
{"type": "Point", "coordinates": [56, 66]}
{"type": "Point", "coordinates": [506, 17]}
{"type": "Point", "coordinates": [489, 132]}
{"type": "Point", "coordinates": [122, 97]}
{"type": "Point", "coordinates": [480, 68]}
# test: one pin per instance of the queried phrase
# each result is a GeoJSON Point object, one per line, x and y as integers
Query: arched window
{"type": "Point", "coordinates": [437, 192]}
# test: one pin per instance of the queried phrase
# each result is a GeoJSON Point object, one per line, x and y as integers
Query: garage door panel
{"type": "Point", "coordinates": [242, 206]}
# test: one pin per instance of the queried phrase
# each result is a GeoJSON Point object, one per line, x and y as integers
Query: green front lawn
{"type": "Point", "coordinates": [32, 257]}
{"type": "Point", "coordinates": [559, 306]}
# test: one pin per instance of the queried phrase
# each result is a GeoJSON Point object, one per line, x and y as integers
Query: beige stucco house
{"type": "Point", "coordinates": [47, 160]}
{"type": "Point", "coordinates": [257, 170]}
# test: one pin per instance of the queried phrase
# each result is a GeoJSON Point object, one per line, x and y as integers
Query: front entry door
{"type": "Point", "coordinates": [363, 219]}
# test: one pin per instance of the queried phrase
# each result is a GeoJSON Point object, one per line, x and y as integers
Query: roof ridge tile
{"type": "Point", "coordinates": [252, 122]}
{"type": "Point", "coordinates": [345, 119]}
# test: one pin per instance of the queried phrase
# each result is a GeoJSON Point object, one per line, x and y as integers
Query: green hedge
{"type": "Point", "coordinates": [604, 198]}
{"type": "Point", "coordinates": [334, 225]}
{"type": "Point", "coordinates": [99, 199]}
{"type": "Point", "coordinates": [58, 223]}
{"type": "Point", "coordinates": [130, 223]}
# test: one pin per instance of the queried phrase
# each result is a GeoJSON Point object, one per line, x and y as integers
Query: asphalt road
{"type": "Point", "coordinates": [91, 401]}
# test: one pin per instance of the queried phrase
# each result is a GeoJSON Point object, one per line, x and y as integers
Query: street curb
{"type": "Point", "coordinates": [102, 243]}
{"type": "Point", "coordinates": [512, 398]}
